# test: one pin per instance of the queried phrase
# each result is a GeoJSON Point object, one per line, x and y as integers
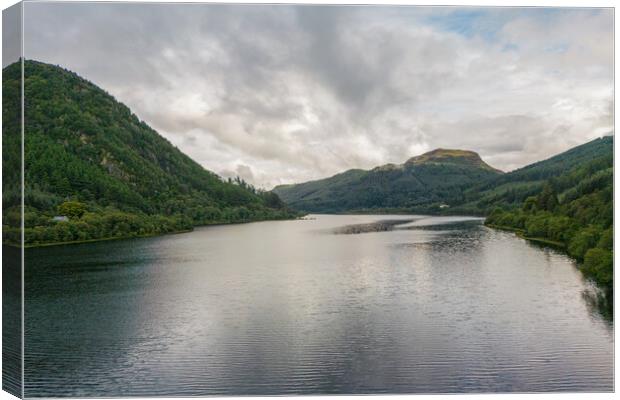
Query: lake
{"type": "Point", "coordinates": [332, 304]}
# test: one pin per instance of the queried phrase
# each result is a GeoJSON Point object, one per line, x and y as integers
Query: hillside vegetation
{"type": "Point", "coordinates": [90, 159]}
{"type": "Point", "coordinates": [511, 189]}
{"type": "Point", "coordinates": [424, 182]}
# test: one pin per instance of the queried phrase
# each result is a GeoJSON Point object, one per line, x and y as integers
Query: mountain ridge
{"type": "Point", "coordinates": [451, 156]}
{"type": "Point", "coordinates": [433, 177]}
{"type": "Point", "coordinates": [436, 156]}
{"type": "Point", "coordinates": [476, 195]}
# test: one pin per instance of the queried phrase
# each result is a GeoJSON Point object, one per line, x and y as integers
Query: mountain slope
{"type": "Point", "coordinates": [513, 188]}
{"type": "Point", "coordinates": [439, 176]}
{"type": "Point", "coordinates": [83, 146]}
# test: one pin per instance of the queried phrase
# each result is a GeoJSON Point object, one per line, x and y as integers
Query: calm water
{"type": "Point", "coordinates": [438, 304]}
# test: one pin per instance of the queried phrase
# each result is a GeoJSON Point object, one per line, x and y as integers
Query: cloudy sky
{"type": "Point", "coordinates": [282, 94]}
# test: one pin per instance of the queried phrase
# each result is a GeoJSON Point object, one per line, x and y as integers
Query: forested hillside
{"type": "Point", "coordinates": [511, 189]}
{"type": "Point", "coordinates": [425, 182]}
{"type": "Point", "coordinates": [88, 158]}
{"type": "Point", "coordinates": [573, 209]}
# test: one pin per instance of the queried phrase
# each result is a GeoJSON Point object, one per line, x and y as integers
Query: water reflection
{"type": "Point", "coordinates": [12, 320]}
{"type": "Point", "coordinates": [274, 308]}
{"type": "Point", "coordinates": [600, 302]}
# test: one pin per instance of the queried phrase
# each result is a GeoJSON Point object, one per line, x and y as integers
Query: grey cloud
{"type": "Point", "coordinates": [301, 92]}
{"type": "Point", "coordinates": [11, 34]}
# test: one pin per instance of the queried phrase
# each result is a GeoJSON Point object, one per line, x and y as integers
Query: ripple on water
{"type": "Point", "coordinates": [430, 305]}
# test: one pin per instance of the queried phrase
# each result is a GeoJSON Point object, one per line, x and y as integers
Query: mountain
{"type": "Point", "coordinates": [428, 180]}
{"type": "Point", "coordinates": [512, 188]}
{"type": "Point", "coordinates": [452, 157]}
{"type": "Point", "coordinates": [90, 159]}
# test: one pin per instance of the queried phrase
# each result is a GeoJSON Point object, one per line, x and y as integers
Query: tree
{"type": "Point", "coordinates": [584, 239]}
{"type": "Point", "coordinates": [547, 199]}
{"type": "Point", "coordinates": [607, 239]}
{"type": "Point", "coordinates": [72, 209]}
{"type": "Point", "coordinates": [599, 264]}
{"type": "Point", "coordinates": [537, 226]}
{"type": "Point", "coordinates": [530, 204]}
{"type": "Point", "coordinates": [272, 200]}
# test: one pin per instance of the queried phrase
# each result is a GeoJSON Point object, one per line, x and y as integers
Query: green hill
{"type": "Point", "coordinates": [512, 188]}
{"type": "Point", "coordinates": [89, 158]}
{"type": "Point", "coordinates": [425, 181]}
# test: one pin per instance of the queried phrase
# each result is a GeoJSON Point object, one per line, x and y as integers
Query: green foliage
{"type": "Point", "coordinates": [560, 228]}
{"type": "Point", "coordinates": [537, 225]}
{"type": "Point", "coordinates": [89, 158]}
{"type": "Point", "coordinates": [73, 209]}
{"type": "Point", "coordinates": [547, 199]}
{"type": "Point", "coordinates": [585, 239]}
{"type": "Point", "coordinates": [598, 263]}
{"type": "Point", "coordinates": [530, 204]}
{"type": "Point", "coordinates": [607, 239]}
{"type": "Point", "coordinates": [591, 165]}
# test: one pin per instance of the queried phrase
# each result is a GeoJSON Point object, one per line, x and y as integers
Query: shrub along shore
{"type": "Point", "coordinates": [583, 227]}
{"type": "Point", "coordinates": [75, 222]}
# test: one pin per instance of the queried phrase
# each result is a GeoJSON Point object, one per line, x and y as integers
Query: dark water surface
{"type": "Point", "coordinates": [438, 304]}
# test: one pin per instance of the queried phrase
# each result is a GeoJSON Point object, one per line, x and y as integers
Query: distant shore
{"type": "Point", "coordinates": [401, 211]}
{"type": "Point", "coordinates": [519, 232]}
{"type": "Point", "coordinates": [107, 239]}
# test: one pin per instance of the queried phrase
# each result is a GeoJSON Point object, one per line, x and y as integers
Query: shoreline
{"type": "Point", "coordinates": [521, 233]}
{"type": "Point", "coordinates": [386, 211]}
{"type": "Point", "coordinates": [518, 232]}
{"type": "Point", "coordinates": [107, 239]}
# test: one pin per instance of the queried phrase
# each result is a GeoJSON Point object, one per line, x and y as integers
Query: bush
{"type": "Point", "coordinates": [584, 240]}
{"type": "Point", "coordinates": [598, 263]}
{"type": "Point", "coordinates": [536, 226]}
{"type": "Point", "coordinates": [607, 239]}
{"type": "Point", "coordinates": [72, 209]}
